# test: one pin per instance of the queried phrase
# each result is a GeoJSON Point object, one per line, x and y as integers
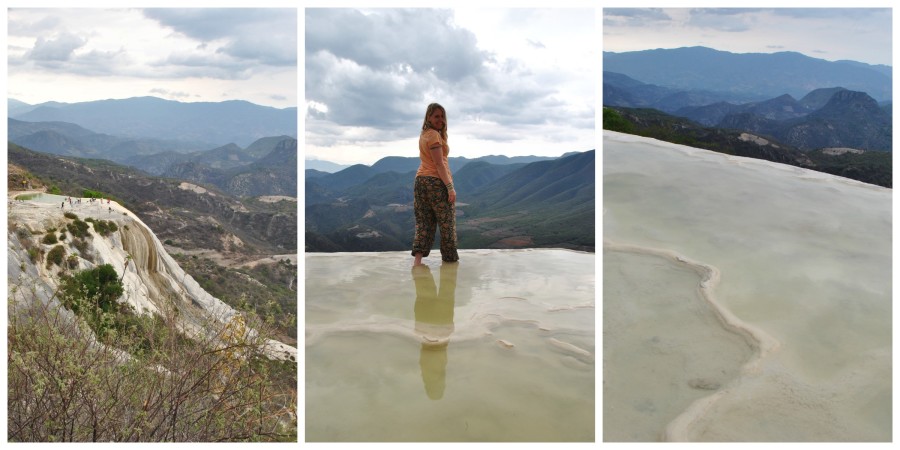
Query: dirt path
{"type": "Point", "coordinates": [233, 260]}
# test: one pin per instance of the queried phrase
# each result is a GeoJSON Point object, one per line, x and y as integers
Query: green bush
{"type": "Point", "coordinates": [54, 190]}
{"type": "Point", "coordinates": [98, 287]}
{"type": "Point", "coordinates": [78, 228]}
{"type": "Point", "coordinates": [70, 215]}
{"type": "Point", "coordinates": [49, 238]}
{"type": "Point", "coordinates": [104, 227]}
{"type": "Point", "coordinates": [92, 194]}
{"type": "Point", "coordinates": [614, 121]}
{"type": "Point", "coordinates": [55, 256]}
{"type": "Point", "coordinates": [35, 254]}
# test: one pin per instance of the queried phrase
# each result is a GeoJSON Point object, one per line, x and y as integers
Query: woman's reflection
{"type": "Point", "coordinates": [434, 323]}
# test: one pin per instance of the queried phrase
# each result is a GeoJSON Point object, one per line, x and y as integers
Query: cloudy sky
{"type": "Point", "coordinates": [513, 81]}
{"type": "Point", "coordinates": [827, 33]}
{"type": "Point", "coordinates": [189, 55]}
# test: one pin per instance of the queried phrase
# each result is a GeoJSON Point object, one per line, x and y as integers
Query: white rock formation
{"type": "Point", "coordinates": [152, 280]}
{"type": "Point", "coordinates": [744, 300]}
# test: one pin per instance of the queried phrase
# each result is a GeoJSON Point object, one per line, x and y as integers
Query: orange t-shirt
{"type": "Point", "coordinates": [428, 168]}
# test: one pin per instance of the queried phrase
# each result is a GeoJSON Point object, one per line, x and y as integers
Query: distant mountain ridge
{"type": "Point", "coordinates": [850, 119]}
{"type": "Point", "coordinates": [359, 173]}
{"type": "Point", "coordinates": [208, 124]}
{"type": "Point", "coordinates": [783, 107]}
{"type": "Point", "coordinates": [69, 139]}
{"type": "Point", "coordinates": [407, 163]}
{"type": "Point", "coordinates": [268, 166]}
{"type": "Point", "coordinates": [235, 172]}
{"type": "Point", "coordinates": [190, 217]}
{"type": "Point", "coordinates": [543, 203]}
{"type": "Point", "coordinates": [754, 76]}
{"type": "Point", "coordinates": [834, 128]}
{"type": "Point", "coordinates": [828, 116]}
{"type": "Point", "coordinates": [323, 166]}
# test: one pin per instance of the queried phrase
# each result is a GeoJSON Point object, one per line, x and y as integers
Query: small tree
{"type": "Point", "coordinates": [614, 121]}
{"type": "Point", "coordinates": [98, 287]}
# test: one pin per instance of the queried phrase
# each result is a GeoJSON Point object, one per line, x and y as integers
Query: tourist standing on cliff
{"type": "Point", "coordinates": [434, 196]}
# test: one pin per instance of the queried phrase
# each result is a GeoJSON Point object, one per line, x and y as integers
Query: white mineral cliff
{"type": "Point", "coordinates": [152, 280]}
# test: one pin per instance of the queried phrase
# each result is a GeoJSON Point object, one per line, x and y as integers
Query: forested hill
{"type": "Point", "coordinates": [548, 203]}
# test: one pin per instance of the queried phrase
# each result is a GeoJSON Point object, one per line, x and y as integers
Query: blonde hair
{"type": "Point", "coordinates": [428, 112]}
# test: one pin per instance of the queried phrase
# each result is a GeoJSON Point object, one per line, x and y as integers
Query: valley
{"type": "Point", "coordinates": [195, 253]}
{"type": "Point", "coordinates": [507, 203]}
{"type": "Point", "coordinates": [190, 220]}
{"type": "Point", "coordinates": [782, 107]}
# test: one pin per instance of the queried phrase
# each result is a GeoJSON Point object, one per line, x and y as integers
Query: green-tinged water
{"type": "Point", "coordinates": [41, 197]}
{"type": "Point", "coordinates": [497, 347]}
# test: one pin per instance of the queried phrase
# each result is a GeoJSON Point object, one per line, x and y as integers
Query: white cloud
{"type": "Point", "coordinates": [60, 48]}
{"type": "Point", "coordinates": [507, 78]}
{"type": "Point", "coordinates": [208, 53]}
{"type": "Point", "coordinates": [859, 34]}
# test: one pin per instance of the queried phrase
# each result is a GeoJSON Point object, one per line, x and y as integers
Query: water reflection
{"type": "Point", "coordinates": [434, 323]}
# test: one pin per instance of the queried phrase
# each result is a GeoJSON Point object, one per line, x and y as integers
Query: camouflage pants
{"type": "Point", "coordinates": [433, 208]}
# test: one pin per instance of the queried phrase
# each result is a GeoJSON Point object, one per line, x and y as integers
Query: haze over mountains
{"type": "Point", "coordinates": [204, 124]}
{"type": "Point", "coordinates": [799, 110]}
{"type": "Point", "coordinates": [242, 148]}
{"type": "Point", "coordinates": [743, 77]}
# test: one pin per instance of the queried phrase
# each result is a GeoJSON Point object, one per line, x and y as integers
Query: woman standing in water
{"type": "Point", "coordinates": [434, 196]}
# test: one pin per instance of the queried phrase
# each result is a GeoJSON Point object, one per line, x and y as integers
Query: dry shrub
{"type": "Point", "coordinates": [147, 383]}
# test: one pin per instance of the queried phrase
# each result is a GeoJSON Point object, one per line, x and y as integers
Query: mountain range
{"type": "Point", "coordinates": [193, 125]}
{"type": "Point", "coordinates": [835, 117]}
{"type": "Point", "coordinates": [503, 203]}
{"type": "Point", "coordinates": [187, 215]}
{"type": "Point", "coordinates": [324, 166]}
{"type": "Point", "coordinates": [143, 343]}
{"type": "Point", "coordinates": [237, 172]}
{"type": "Point", "coordinates": [744, 77]}
{"type": "Point", "coordinates": [825, 117]}
{"type": "Point", "coordinates": [873, 167]}
{"type": "Point", "coordinates": [268, 166]}
{"type": "Point", "coordinates": [177, 295]}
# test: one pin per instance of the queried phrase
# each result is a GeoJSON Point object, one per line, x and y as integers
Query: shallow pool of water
{"type": "Point", "coordinates": [43, 197]}
{"type": "Point", "coordinates": [497, 347]}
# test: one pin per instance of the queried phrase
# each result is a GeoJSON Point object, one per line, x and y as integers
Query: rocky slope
{"type": "Point", "coordinates": [153, 282]}
{"type": "Point", "coordinates": [189, 216]}
{"type": "Point", "coordinates": [867, 166]}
